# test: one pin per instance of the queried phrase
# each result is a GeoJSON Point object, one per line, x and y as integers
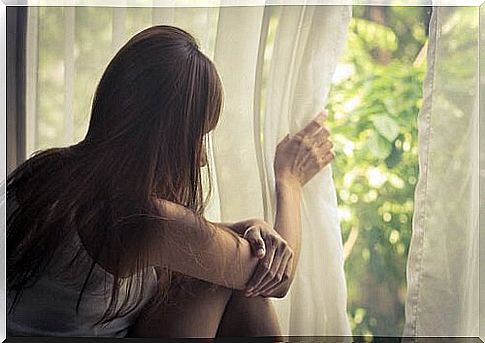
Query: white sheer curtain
{"type": "Point", "coordinates": [307, 44]}
{"type": "Point", "coordinates": [297, 72]}
{"type": "Point", "coordinates": [482, 173]}
{"type": "Point", "coordinates": [276, 63]}
{"type": "Point", "coordinates": [443, 283]}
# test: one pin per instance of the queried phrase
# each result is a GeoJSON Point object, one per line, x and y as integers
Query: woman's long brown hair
{"type": "Point", "coordinates": [157, 98]}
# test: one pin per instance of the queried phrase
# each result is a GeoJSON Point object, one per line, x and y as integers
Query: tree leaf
{"type": "Point", "coordinates": [379, 146]}
{"type": "Point", "coordinates": [386, 126]}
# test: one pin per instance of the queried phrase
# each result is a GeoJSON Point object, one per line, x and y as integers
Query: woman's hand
{"type": "Point", "coordinates": [300, 157]}
{"type": "Point", "coordinates": [275, 254]}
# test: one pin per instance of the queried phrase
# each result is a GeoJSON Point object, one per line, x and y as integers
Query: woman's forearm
{"type": "Point", "coordinates": [192, 246]}
{"type": "Point", "coordinates": [288, 217]}
{"type": "Point", "coordinates": [287, 225]}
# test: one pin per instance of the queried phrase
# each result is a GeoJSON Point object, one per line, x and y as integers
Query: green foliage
{"type": "Point", "coordinates": [373, 109]}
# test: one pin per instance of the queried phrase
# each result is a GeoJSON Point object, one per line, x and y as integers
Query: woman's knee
{"type": "Point", "coordinates": [193, 308]}
{"type": "Point", "coordinates": [249, 317]}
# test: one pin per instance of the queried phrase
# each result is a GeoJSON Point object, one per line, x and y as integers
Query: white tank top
{"type": "Point", "coordinates": [48, 308]}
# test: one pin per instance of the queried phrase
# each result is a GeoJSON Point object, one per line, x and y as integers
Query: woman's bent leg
{"type": "Point", "coordinates": [194, 309]}
{"type": "Point", "coordinates": [197, 308]}
{"type": "Point", "coordinates": [249, 317]}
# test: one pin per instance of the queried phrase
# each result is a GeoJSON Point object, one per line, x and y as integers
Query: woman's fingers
{"type": "Point", "coordinates": [270, 291]}
{"type": "Point", "coordinates": [278, 276]}
{"type": "Point", "coordinates": [274, 254]}
{"type": "Point", "coordinates": [264, 266]}
{"type": "Point", "coordinates": [325, 159]}
{"type": "Point", "coordinates": [317, 141]}
{"type": "Point", "coordinates": [317, 153]}
{"type": "Point", "coordinates": [272, 273]}
{"type": "Point", "coordinates": [321, 134]}
{"type": "Point", "coordinates": [313, 126]}
{"type": "Point", "coordinates": [324, 143]}
{"type": "Point", "coordinates": [255, 239]}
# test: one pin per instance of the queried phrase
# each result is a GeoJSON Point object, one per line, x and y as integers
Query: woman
{"type": "Point", "coordinates": [107, 237]}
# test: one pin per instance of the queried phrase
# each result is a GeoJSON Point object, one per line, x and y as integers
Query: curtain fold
{"type": "Point", "coordinates": [482, 172]}
{"type": "Point", "coordinates": [442, 271]}
{"type": "Point", "coordinates": [235, 56]}
{"type": "Point", "coordinates": [276, 64]}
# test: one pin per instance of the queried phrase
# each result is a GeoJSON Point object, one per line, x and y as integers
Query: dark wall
{"type": "Point", "coordinates": [15, 46]}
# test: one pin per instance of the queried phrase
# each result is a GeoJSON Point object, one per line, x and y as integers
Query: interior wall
{"type": "Point", "coordinates": [15, 106]}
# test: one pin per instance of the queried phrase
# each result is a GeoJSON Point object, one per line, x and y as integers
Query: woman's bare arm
{"type": "Point", "coordinates": [193, 246]}
{"type": "Point", "coordinates": [288, 225]}
{"type": "Point", "coordinates": [297, 160]}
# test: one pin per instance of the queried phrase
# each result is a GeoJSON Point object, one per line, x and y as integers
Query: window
{"type": "Point", "coordinates": [376, 94]}
{"type": "Point", "coordinates": [375, 100]}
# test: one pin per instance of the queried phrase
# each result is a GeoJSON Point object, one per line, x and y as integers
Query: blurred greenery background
{"type": "Point", "coordinates": [373, 105]}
